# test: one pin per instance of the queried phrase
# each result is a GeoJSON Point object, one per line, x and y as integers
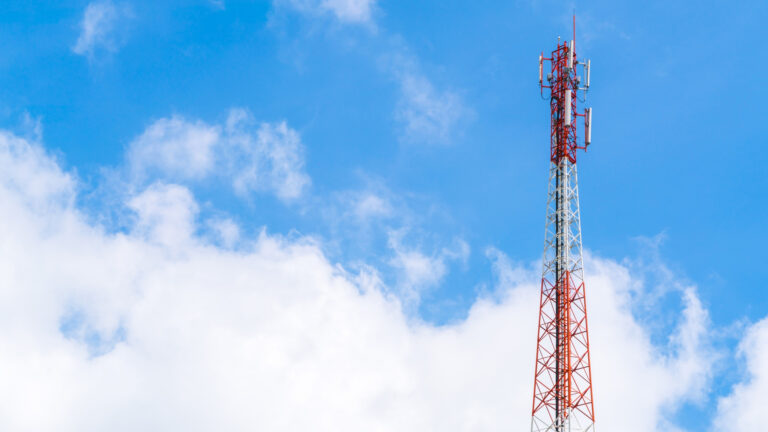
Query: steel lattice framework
{"type": "Point", "coordinates": [562, 393]}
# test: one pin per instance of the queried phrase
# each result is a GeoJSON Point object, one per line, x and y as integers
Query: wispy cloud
{"type": "Point", "coordinates": [99, 28]}
{"type": "Point", "coordinates": [362, 207]}
{"type": "Point", "coordinates": [346, 11]}
{"type": "Point", "coordinates": [400, 231]}
{"type": "Point", "coordinates": [368, 205]}
{"type": "Point", "coordinates": [418, 271]}
{"type": "Point", "coordinates": [426, 115]}
{"type": "Point", "coordinates": [270, 158]}
{"type": "Point", "coordinates": [218, 4]}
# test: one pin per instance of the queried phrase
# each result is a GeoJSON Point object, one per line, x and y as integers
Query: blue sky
{"type": "Point", "coordinates": [431, 111]}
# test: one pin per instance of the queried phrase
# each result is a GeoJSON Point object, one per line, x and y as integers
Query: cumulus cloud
{"type": "Point", "coordinates": [156, 328]}
{"type": "Point", "coordinates": [253, 157]}
{"type": "Point", "coordinates": [661, 378]}
{"type": "Point", "coordinates": [98, 28]}
{"type": "Point", "coordinates": [348, 11]}
{"type": "Point", "coordinates": [32, 176]}
{"type": "Point", "coordinates": [744, 408]}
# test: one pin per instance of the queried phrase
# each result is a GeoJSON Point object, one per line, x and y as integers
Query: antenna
{"type": "Point", "coordinates": [574, 23]}
{"type": "Point", "coordinates": [541, 67]}
{"type": "Point", "coordinates": [564, 84]}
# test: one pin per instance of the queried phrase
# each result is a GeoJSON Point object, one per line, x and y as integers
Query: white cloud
{"type": "Point", "coordinates": [32, 127]}
{"type": "Point", "coordinates": [363, 206]}
{"type": "Point", "coordinates": [459, 251]}
{"type": "Point", "coordinates": [348, 11]}
{"type": "Point", "coordinates": [31, 176]}
{"type": "Point", "coordinates": [226, 230]}
{"type": "Point", "coordinates": [179, 149]}
{"type": "Point", "coordinates": [265, 157]}
{"type": "Point", "coordinates": [166, 214]}
{"type": "Point", "coordinates": [98, 27]}
{"type": "Point", "coordinates": [418, 271]}
{"type": "Point", "coordinates": [272, 158]}
{"type": "Point", "coordinates": [127, 331]}
{"type": "Point", "coordinates": [744, 408]}
{"type": "Point", "coordinates": [635, 382]}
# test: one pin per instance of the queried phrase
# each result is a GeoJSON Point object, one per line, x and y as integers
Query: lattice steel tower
{"type": "Point", "coordinates": [562, 391]}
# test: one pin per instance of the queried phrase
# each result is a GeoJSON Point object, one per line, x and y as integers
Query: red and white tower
{"type": "Point", "coordinates": [562, 390]}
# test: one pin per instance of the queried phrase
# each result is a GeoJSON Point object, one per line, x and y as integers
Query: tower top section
{"type": "Point", "coordinates": [567, 84]}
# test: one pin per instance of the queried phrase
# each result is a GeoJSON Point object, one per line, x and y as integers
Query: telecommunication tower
{"type": "Point", "coordinates": [562, 391]}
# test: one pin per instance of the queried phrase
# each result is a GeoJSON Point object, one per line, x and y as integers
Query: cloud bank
{"type": "Point", "coordinates": [161, 328]}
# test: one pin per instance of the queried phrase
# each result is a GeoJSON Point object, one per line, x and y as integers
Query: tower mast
{"type": "Point", "coordinates": [562, 391]}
